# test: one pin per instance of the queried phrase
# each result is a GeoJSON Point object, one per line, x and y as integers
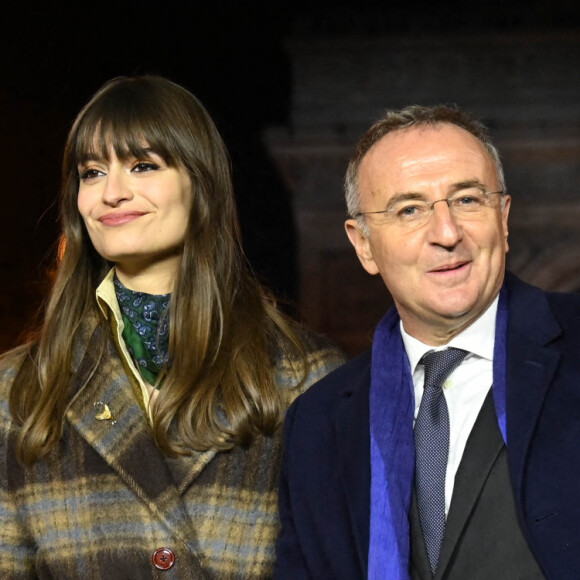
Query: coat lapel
{"type": "Point", "coordinates": [531, 365]}
{"type": "Point", "coordinates": [186, 468]}
{"type": "Point", "coordinates": [353, 444]}
{"type": "Point", "coordinates": [124, 439]}
{"type": "Point", "coordinates": [532, 359]}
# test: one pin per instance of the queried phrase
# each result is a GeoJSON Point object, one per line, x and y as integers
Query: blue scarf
{"type": "Point", "coordinates": [392, 403]}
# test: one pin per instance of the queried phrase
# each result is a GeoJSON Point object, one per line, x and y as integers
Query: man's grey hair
{"type": "Point", "coordinates": [413, 116]}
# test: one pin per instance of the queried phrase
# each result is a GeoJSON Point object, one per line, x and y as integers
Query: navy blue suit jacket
{"type": "Point", "coordinates": [325, 482]}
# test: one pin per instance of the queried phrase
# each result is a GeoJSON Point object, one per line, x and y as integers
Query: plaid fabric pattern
{"type": "Point", "coordinates": [105, 499]}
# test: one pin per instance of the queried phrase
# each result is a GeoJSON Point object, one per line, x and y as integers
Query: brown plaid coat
{"type": "Point", "coordinates": [101, 503]}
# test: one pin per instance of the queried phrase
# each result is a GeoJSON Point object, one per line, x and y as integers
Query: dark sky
{"type": "Point", "coordinates": [231, 55]}
{"type": "Point", "coordinates": [55, 59]}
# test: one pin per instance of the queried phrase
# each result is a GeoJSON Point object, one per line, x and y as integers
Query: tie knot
{"type": "Point", "coordinates": [440, 364]}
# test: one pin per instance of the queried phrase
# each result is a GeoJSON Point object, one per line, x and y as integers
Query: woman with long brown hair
{"type": "Point", "coordinates": [139, 430]}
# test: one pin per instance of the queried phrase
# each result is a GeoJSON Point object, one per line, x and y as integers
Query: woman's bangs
{"type": "Point", "coordinates": [127, 136]}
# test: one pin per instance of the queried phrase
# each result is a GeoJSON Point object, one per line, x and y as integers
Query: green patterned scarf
{"type": "Point", "coordinates": [146, 331]}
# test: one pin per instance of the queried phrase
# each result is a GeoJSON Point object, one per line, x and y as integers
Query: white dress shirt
{"type": "Point", "coordinates": [465, 389]}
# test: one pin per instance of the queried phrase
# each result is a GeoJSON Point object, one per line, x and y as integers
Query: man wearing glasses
{"type": "Point", "coordinates": [452, 448]}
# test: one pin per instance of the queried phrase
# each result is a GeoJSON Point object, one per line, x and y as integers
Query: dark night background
{"type": "Point", "coordinates": [231, 55]}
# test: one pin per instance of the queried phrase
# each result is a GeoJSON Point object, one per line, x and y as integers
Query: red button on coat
{"type": "Point", "coordinates": [163, 558]}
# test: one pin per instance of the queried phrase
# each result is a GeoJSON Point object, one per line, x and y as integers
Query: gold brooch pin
{"type": "Point", "coordinates": [103, 411]}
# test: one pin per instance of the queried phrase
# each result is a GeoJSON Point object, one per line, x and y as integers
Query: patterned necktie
{"type": "Point", "coordinates": [432, 448]}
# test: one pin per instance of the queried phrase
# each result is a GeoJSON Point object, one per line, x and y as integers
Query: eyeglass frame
{"type": "Point", "coordinates": [359, 214]}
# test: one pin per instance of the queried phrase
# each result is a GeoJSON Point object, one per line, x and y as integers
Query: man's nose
{"type": "Point", "coordinates": [444, 228]}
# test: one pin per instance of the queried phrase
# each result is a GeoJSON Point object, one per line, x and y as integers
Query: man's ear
{"type": "Point", "coordinates": [359, 239]}
{"type": "Point", "coordinates": [504, 217]}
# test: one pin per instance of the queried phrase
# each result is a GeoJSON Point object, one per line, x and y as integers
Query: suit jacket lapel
{"type": "Point", "coordinates": [481, 452]}
{"type": "Point", "coordinates": [420, 568]}
{"type": "Point", "coordinates": [353, 444]}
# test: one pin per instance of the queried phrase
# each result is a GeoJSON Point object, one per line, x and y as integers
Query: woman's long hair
{"type": "Point", "coordinates": [219, 389]}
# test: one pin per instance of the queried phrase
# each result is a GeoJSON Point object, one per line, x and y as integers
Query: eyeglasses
{"type": "Point", "coordinates": [408, 212]}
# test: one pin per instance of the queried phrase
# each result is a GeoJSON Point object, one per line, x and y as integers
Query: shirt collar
{"type": "Point", "coordinates": [106, 297]}
{"type": "Point", "coordinates": [477, 338]}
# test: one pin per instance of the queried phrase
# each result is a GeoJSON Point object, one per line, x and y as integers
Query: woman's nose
{"type": "Point", "coordinates": [116, 187]}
